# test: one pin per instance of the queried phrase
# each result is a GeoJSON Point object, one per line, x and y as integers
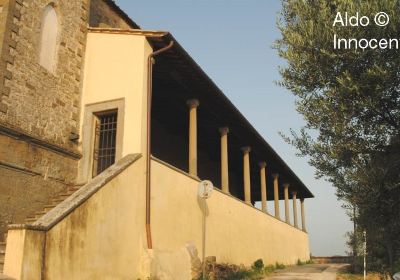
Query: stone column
{"type": "Point", "coordinates": [286, 192]}
{"type": "Point", "coordinates": [224, 159]}
{"type": "Point", "coordinates": [263, 184]}
{"type": "Point", "coordinates": [303, 216]}
{"type": "Point", "coordinates": [246, 174]}
{"type": "Point", "coordinates": [276, 195]}
{"type": "Point", "coordinates": [193, 104]}
{"type": "Point", "coordinates": [294, 197]}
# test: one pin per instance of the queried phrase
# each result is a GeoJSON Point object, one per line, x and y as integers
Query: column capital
{"type": "Point", "coordinates": [275, 175]}
{"type": "Point", "coordinates": [246, 149]}
{"type": "Point", "coordinates": [286, 185]}
{"type": "Point", "coordinates": [193, 103]}
{"type": "Point", "coordinates": [294, 193]}
{"type": "Point", "coordinates": [223, 130]}
{"type": "Point", "coordinates": [302, 199]}
{"type": "Point", "coordinates": [262, 164]}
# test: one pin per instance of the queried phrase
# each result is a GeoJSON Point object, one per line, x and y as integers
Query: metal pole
{"type": "Point", "coordinates": [204, 192]}
{"type": "Point", "coordinates": [204, 239]}
{"type": "Point", "coordinates": [148, 155]}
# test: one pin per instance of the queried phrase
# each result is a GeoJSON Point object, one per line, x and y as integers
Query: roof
{"type": "Point", "coordinates": [183, 67]}
{"type": "Point", "coordinates": [121, 13]}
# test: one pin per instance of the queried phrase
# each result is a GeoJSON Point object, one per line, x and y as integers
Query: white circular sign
{"type": "Point", "coordinates": [205, 189]}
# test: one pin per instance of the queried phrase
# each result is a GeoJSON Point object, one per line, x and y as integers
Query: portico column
{"type": "Point", "coordinates": [286, 192]}
{"type": "Point", "coordinates": [193, 104]}
{"type": "Point", "coordinates": [294, 198]}
{"type": "Point", "coordinates": [276, 195]}
{"type": "Point", "coordinates": [263, 184]}
{"type": "Point", "coordinates": [303, 216]}
{"type": "Point", "coordinates": [224, 159]}
{"type": "Point", "coordinates": [246, 174]}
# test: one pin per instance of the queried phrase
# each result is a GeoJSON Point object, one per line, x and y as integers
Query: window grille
{"type": "Point", "coordinates": [105, 141]}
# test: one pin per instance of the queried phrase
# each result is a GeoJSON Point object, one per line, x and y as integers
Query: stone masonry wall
{"type": "Point", "coordinates": [29, 179]}
{"type": "Point", "coordinates": [9, 13]}
{"type": "Point", "coordinates": [40, 103]}
{"type": "Point", "coordinates": [38, 109]}
{"type": "Point", "coordinates": [108, 14]}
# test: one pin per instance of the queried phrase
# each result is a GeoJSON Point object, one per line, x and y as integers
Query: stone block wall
{"type": "Point", "coordinates": [39, 110]}
{"type": "Point", "coordinates": [30, 176]}
{"type": "Point", "coordinates": [40, 103]}
{"type": "Point", "coordinates": [105, 13]}
{"type": "Point", "coordinates": [10, 13]}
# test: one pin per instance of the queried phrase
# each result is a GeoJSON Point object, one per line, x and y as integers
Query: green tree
{"type": "Point", "coordinates": [350, 100]}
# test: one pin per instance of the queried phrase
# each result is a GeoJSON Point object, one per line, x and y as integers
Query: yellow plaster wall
{"type": "Point", "coordinates": [24, 254]}
{"type": "Point", "coordinates": [116, 67]}
{"type": "Point", "coordinates": [14, 253]}
{"type": "Point", "coordinates": [104, 238]}
{"type": "Point", "coordinates": [236, 232]}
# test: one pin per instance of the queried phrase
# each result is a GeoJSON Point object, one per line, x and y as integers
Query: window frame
{"type": "Point", "coordinates": [88, 133]}
{"type": "Point", "coordinates": [97, 136]}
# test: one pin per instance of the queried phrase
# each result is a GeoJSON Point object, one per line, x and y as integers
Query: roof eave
{"type": "Point", "coordinates": [164, 37]}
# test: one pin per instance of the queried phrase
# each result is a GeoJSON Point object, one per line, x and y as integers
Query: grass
{"type": "Point", "coordinates": [346, 275]}
{"type": "Point", "coordinates": [299, 262]}
{"type": "Point", "coordinates": [269, 269]}
{"type": "Point", "coordinates": [256, 272]}
{"type": "Point", "coordinates": [350, 276]}
{"type": "Point", "coordinates": [234, 272]}
{"type": "Point", "coordinates": [279, 266]}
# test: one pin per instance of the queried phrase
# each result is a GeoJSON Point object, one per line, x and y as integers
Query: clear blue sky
{"type": "Point", "coordinates": [231, 40]}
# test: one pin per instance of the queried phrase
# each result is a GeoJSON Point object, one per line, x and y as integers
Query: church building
{"type": "Point", "coordinates": [106, 131]}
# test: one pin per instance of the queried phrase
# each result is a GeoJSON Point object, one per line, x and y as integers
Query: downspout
{"type": "Point", "coordinates": [148, 161]}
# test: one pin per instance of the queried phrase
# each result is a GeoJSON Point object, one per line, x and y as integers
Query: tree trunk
{"type": "Point", "coordinates": [354, 241]}
{"type": "Point", "coordinates": [389, 247]}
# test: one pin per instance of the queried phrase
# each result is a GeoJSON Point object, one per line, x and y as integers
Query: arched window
{"type": "Point", "coordinates": [48, 41]}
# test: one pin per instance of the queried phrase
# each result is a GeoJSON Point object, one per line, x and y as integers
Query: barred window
{"type": "Point", "coordinates": [105, 140]}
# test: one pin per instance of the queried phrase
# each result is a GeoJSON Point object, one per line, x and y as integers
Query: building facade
{"type": "Point", "coordinates": [105, 132]}
{"type": "Point", "coordinates": [40, 101]}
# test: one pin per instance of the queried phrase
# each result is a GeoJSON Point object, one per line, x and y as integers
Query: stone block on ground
{"type": "Point", "coordinates": [180, 264]}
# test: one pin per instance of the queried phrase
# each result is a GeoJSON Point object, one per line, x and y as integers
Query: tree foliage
{"type": "Point", "coordinates": [350, 100]}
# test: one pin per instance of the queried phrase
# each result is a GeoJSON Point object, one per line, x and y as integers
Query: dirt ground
{"type": "Point", "coordinates": [308, 272]}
